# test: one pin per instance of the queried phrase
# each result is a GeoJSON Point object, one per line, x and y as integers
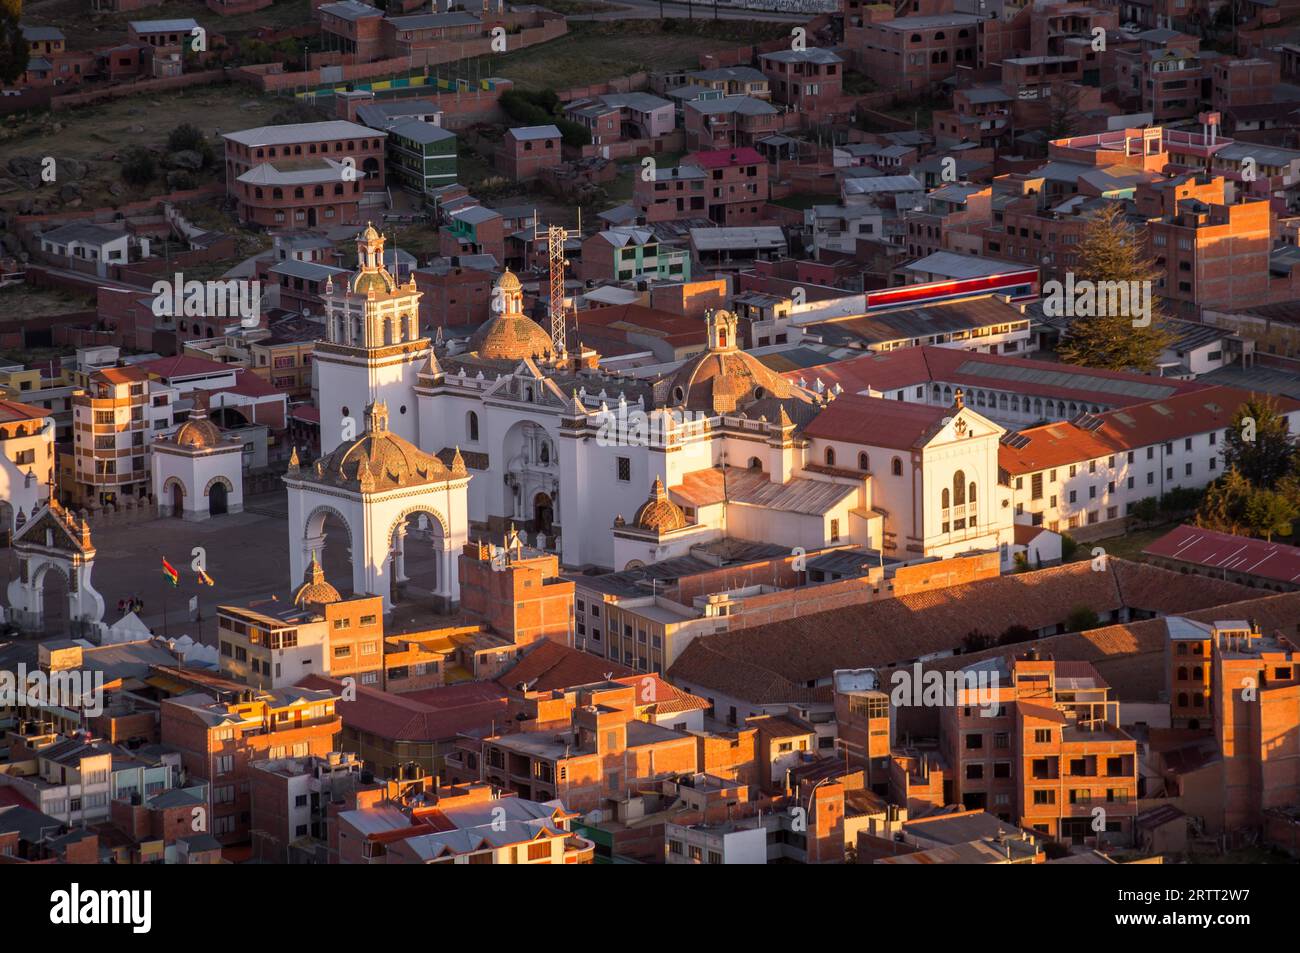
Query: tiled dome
{"type": "Point", "coordinates": [660, 514]}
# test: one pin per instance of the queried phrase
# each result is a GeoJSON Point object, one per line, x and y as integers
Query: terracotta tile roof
{"type": "Point", "coordinates": [876, 422]}
{"type": "Point", "coordinates": [1052, 445]}
{"type": "Point", "coordinates": [121, 375]}
{"type": "Point", "coordinates": [1129, 428]}
{"type": "Point", "coordinates": [438, 714]}
{"type": "Point", "coordinates": [1130, 656]}
{"type": "Point", "coordinates": [1224, 551]}
{"type": "Point", "coordinates": [703, 668]}
{"type": "Point", "coordinates": [184, 366]}
{"type": "Point", "coordinates": [663, 698]}
{"type": "Point", "coordinates": [11, 410]}
{"type": "Point", "coordinates": [777, 662]}
{"type": "Point", "coordinates": [550, 666]}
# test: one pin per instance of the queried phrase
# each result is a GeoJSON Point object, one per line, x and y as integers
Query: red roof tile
{"type": "Point", "coordinates": [11, 410]}
{"type": "Point", "coordinates": [434, 715]}
{"type": "Point", "coordinates": [185, 366]}
{"type": "Point", "coordinates": [877, 422]}
{"type": "Point", "coordinates": [1130, 428]}
{"type": "Point", "coordinates": [549, 666]}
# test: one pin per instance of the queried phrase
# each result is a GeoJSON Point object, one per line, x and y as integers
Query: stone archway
{"type": "Point", "coordinates": [421, 561]}
{"type": "Point", "coordinates": [336, 562]}
{"type": "Point", "coordinates": [173, 497]}
{"type": "Point", "coordinates": [218, 493]}
{"type": "Point", "coordinates": [54, 592]}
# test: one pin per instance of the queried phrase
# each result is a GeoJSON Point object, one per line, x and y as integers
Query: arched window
{"type": "Point", "coordinates": [896, 467]}
{"type": "Point", "coordinates": [1197, 673]}
{"type": "Point", "coordinates": [1198, 700]}
{"type": "Point", "coordinates": [277, 193]}
{"type": "Point", "coordinates": [1182, 699]}
{"type": "Point", "coordinates": [471, 425]}
{"type": "Point", "coordinates": [947, 498]}
{"type": "Point", "coordinates": [298, 193]}
{"type": "Point", "coordinates": [755, 463]}
{"type": "Point", "coordinates": [1182, 674]}
{"type": "Point", "coordinates": [319, 191]}
{"type": "Point", "coordinates": [970, 493]}
{"type": "Point", "coordinates": [864, 462]}
{"type": "Point", "coordinates": [545, 454]}
{"type": "Point", "coordinates": [959, 488]}
{"type": "Point", "coordinates": [830, 456]}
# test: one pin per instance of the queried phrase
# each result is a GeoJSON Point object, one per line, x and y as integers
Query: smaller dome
{"type": "Point", "coordinates": [315, 591]}
{"type": "Point", "coordinates": [509, 283]}
{"type": "Point", "coordinates": [370, 235]}
{"type": "Point", "coordinates": [198, 433]}
{"type": "Point", "coordinates": [659, 514]}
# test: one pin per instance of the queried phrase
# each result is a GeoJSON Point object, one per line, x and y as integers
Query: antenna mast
{"type": "Point", "coordinates": [555, 239]}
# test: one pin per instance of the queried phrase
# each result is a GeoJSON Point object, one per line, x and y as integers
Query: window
{"type": "Point", "coordinates": [897, 467]}
{"type": "Point", "coordinates": [864, 463]}
{"type": "Point", "coordinates": [830, 456]}
{"type": "Point", "coordinates": [471, 426]}
{"type": "Point", "coordinates": [1042, 736]}
{"type": "Point", "coordinates": [835, 531]}
{"type": "Point", "coordinates": [625, 469]}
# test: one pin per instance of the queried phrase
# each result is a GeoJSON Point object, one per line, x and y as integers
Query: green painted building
{"type": "Point", "coordinates": [421, 156]}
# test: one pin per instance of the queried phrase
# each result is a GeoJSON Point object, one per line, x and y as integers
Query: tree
{"type": "Point", "coordinates": [1223, 508]}
{"type": "Point", "coordinates": [1063, 110]}
{"type": "Point", "coordinates": [1081, 619]}
{"type": "Point", "coordinates": [1269, 512]}
{"type": "Point", "coordinates": [1147, 510]}
{"type": "Point", "coordinates": [1014, 634]}
{"type": "Point", "coordinates": [189, 138]}
{"type": "Point", "coordinates": [138, 166]}
{"type": "Point", "coordinates": [13, 48]}
{"type": "Point", "coordinates": [1258, 443]}
{"type": "Point", "coordinates": [1111, 251]}
{"type": "Point", "coordinates": [976, 641]}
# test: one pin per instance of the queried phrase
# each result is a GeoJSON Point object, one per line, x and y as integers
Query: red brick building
{"type": "Point", "coordinates": [527, 150]}
{"type": "Point", "coordinates": [224, 726]}
{"type": "Point", "coordinates": [303, 176]}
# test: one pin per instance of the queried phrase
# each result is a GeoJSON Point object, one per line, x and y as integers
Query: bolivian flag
{"type": "Point", "coordinates": [205, 579]}
{"type": "Point", "coordinates": [170, 572]}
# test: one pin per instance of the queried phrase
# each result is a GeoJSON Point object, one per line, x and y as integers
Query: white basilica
{"type": "Point", "coordinates": [611, 470]}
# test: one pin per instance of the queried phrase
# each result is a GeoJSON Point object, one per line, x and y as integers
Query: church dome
{"type": "Point", "coordinates": [511, 337]}
{"type": "Point", "coordinates": [198, 433]}
{"type": "Point", "coordinates": [379, 460]}
{"type": "Point", "coordinates": [724, 378]}
{"type": "Point", "coordinates": [370, 234]}
{"type": "Point", "coordinates": [314, 589]}
{"type": "Point", "coordinates": [659, 514]}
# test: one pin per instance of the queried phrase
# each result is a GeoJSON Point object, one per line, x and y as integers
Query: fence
{"type": "Point", "coordinates": [73, 100]}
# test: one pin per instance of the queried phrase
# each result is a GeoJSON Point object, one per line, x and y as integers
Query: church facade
{"type": "Point", "coordinates": [611, 470]}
